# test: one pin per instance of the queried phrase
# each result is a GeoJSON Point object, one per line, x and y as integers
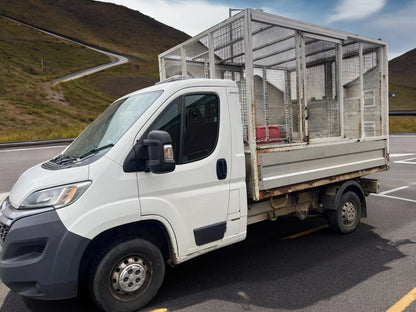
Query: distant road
{"type": "Point", "coordinates": [14, 161]}
{"type": "Point", "coordinates": [115, 58]}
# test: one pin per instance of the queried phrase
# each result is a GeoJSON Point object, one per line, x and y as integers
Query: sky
{"type": "Point", "coordinates": [393, 21]}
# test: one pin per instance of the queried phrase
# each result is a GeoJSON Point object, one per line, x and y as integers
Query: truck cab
{"type": "Point", "coordinates": [164, 165]}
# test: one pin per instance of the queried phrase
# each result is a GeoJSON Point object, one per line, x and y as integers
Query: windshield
{"type": "Point", "coordinates": [110, 126]}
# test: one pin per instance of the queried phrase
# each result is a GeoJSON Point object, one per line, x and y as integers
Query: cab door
{"type": "Point", "coordinates": [194, 198]}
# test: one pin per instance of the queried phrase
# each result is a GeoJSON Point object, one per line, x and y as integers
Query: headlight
{"type": "Point", "coordinates": [56, 197]}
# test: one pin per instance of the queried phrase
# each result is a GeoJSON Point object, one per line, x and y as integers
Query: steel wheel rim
{"type": "Point", "coordinates": [129, 277]}
{"type": "Point", "coordinates": [349, 213]}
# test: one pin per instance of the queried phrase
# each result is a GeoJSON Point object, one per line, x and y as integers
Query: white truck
{"type": "Point", "coordinates": [281, 117]}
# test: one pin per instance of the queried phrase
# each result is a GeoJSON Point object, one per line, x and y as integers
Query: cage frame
{"type": "Point", "coordinates": [302, 31]}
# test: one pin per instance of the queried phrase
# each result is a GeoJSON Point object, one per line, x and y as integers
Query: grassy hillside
{"type": "Point", "coordinates": [403, 124]}
{"type": "Point", "coordinates": [405, 97]}
{"type": "Point", "coordinates": [30, 108]}
{"type": "Point", "coordinates": [402, 76]}
{"type": "Point", "coordinates": [110, 26]}
{"type": "Point", "coordinates": [402, 69]}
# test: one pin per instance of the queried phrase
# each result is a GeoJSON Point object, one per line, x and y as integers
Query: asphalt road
{"type": "Point", "coordinates": [14, 161]}
{"type": "Point", "coordinates": [275, 269]}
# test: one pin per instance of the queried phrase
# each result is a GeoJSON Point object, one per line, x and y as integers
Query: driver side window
{"type": "Point", "coordinates": [193, 124]}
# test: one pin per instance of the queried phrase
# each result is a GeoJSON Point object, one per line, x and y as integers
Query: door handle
{"type": "Point", "coordinates": [221, 169]}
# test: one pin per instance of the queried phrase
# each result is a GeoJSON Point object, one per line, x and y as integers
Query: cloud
{"type": "Point", "coordinates": [397, 27]}
{"type": "Point", "coordinates": [356, 9]}
{"type": "Point", "coordinates": [189, 16]}
{"type": "Point", "coordinates": [403, 19]}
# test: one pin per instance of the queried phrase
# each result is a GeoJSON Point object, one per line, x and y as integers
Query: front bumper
{"type": "Point", "coordinates": [39, 257]}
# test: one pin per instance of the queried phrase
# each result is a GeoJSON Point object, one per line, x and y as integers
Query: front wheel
{"type": "Point", "coordinates": [346, 217]}
{"type": "Point", "coordinates": [127, 276]}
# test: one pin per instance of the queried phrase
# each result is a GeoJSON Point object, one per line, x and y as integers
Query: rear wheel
{"type": "Point", "coordinates": [346, 217]}
{"type": "Point", "coordinates": [127, 276]}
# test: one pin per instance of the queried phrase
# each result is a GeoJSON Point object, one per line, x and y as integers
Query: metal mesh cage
{"type": "Point", "coordinates": [321, 93]}
{"type": "Point", "coordinates": [299, 86]}
{"type": "Point", "coordinates": [274, 59]}
{"type": "Point", "coordinates": [371, 93]}
{"type": "Point", "coordinates": [227, 52]}
{"type": "Point", "coordinates": [229, 44]}
{"type": "Point", "coordinates": [362, 90]}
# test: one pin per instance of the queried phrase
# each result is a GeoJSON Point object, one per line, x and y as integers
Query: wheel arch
{"type": "Point", "coordinates": [332, 194]}
{"type": "Point", "coordinates": [152, 230]}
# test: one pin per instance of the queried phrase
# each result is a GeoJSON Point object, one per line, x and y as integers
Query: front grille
{"type": "Point", "coordinates": [4, 230]}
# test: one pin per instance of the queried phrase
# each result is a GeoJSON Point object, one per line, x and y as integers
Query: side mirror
{"type": "Point", "coordinates": [161, 157]}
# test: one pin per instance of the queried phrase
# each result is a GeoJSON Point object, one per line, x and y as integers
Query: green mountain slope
{"type": "Point", "coordinates": [32, 109]}
{"type": "Point", "coordinates": [109, 26]}
{"type": "Point", "coordinates": [402, 77]}
{"type": "Point", "coordinates": [29, 106]}
{"type": "Point", "coordinates": [402, 69]}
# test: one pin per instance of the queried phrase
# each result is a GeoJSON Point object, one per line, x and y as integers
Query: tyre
{"type": "Point", "coordinates": [346, 217]}
{"type": "Point", "coordinates": [127, 276]}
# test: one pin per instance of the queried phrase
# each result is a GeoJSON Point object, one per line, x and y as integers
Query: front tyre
{"type": "Point", "coordinates": [127, 276]}
{"type": "Point", "coordinates": [346, 217]}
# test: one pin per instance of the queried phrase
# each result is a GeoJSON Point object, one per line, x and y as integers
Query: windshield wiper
{"type": "Point", "coordinates": [63, 159]}
{"type": "Point", "coordinates": [95, 150]}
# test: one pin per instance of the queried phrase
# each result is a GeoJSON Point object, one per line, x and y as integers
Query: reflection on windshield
{"type": "Point", "coordinates": [110, 126]}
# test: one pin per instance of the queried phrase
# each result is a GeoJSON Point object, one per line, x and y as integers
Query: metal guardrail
{"type": "Point", "coordinates": [36, 143]}
{"type": "Point", "coordinates": [403, 113]}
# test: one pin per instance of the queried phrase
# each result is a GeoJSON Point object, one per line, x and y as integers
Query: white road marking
{"type": "Point", "coordinates": [394, 190]}
{"type": "Point", "coordinates": [410, 161]}
{"type": "Point", "coordinates": [394, 197]}
{"type": "Point", "coordinates": [384, 194]}
{"type": "Point", "coordinates": [401, 155]}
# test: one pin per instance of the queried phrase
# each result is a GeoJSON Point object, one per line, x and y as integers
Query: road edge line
{"type": "Point", "coordinates": [404, 302]}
